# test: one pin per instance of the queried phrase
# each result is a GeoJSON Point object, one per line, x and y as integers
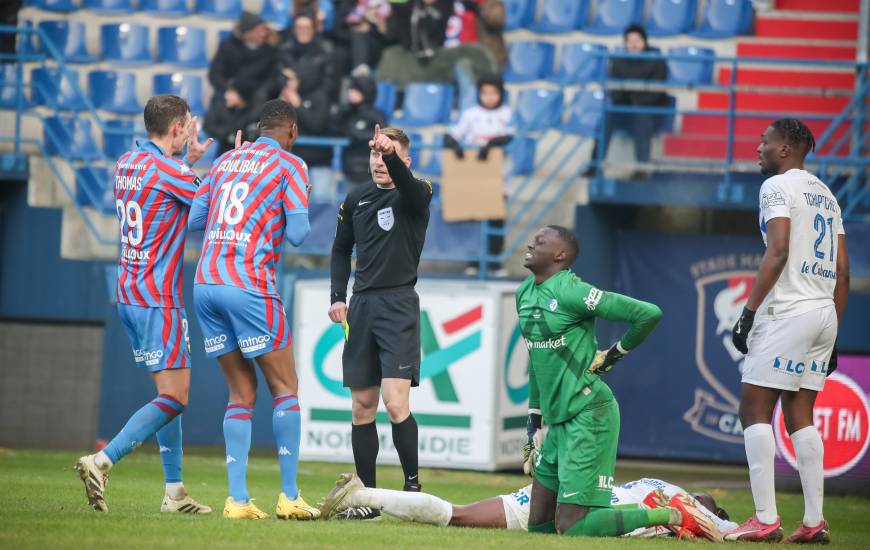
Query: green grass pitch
{"type": "Point", "coordinates": [43, 506]}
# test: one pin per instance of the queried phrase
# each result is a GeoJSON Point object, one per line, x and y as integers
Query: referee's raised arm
{"type": "Point", "coordinates": [416, 192]}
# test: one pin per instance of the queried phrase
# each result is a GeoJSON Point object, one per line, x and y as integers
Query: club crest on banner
{"type": "Point", "coordinates": [721, 296]}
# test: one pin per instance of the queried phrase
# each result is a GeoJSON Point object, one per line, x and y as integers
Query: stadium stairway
{"type": "Point", "coordinates": [796, 29]}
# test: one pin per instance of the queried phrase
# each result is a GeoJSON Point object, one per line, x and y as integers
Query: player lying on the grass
{"type": "Point", "coordinates": [512, 511]}
{"type": "Point", "coordinates": [153, 191]}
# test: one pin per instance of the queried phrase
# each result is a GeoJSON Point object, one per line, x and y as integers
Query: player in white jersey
{"type": "Point", "coordinates": [512, 511]}
{"type": "Point", "coordinates": [788, 328]}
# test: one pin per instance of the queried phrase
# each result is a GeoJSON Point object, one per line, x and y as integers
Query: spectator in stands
{"type": "Point", "coordinates": [9, 16]}
{"type": "Point", "coordinates": [312, 7]}
{"type": "Point", "coordinates": [309, 56]}
{"type": "Point", "coordinates": [640, 126]}
{"type": "Point", "coordinates": [312, 112]}
{"type": "Point", "coordinates": [356, 121]}
{"type": "Point", "coordinates": [248, 55]}
{"type": "Point", "coordinates": [237, 111]}
{"type": "Point", "coordinates": [360, 33]}
{"type": "Point", "coordinates": [479, 21]}
{"type": "Point", "coordinates": [484, 126]}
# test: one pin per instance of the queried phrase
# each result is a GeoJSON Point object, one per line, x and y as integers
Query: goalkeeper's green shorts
{"type": "Point", "coordinates": [578, 458]}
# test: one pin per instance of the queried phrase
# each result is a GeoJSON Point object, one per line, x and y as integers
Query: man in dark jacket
{"type": "Point", "coordinates": [310, 57]}
{"type": "Point", "coordinates": [641, 126]}
{"type": "Point", "coordinates": [312, 111]}
{"type": "Point", "coordinates": [356, 121]}
{"type": "Point", "coordinates": [237, 111]}
{"type": "Point", "coordinates": [246, 55]}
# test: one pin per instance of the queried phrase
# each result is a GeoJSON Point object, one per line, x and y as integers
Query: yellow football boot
{"type": "Point", "coordinates": [236, 510]}
{"type": "Point", "coordinates": [295, 509]}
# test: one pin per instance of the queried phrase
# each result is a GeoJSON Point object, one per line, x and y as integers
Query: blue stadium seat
{"type": "Point", "coordinates": [385, 99]}
{"type": "Point", "coordinates": [26, 43]}
{"type": "Point", "coordinates": [328, 9]}
{"type": "Point", "coordinates": [94, 188]}
{"type": "Point", "coordinates": [723, 19]}
{"type": "Point", "coordinates": [521, 152]}
{"type": "Point", "coordinates": [115, 144]}
{"type": "Point", "coordinates": [109, 6]}
{"type": "Point", "coordinates": [68, 38]}
{"type": "Point", "coordinates": [277, 12]}
{"type": "Point", "coordinates": [51, 89]}
{"type": "Point", "coordinates": [669, 17]}
{"type": "Point", "coordinates": [70, 135]}
{"type": "Point", "coordinates": [224, 34]}
{"type": "Point", "coordinates": [561, 16]}
{"type": "Point", "coordinates": [114, 91]}
{"type": "Point", "coordinates": [223, 9]}
{"type": "Point", "coordinates": [8, 87]}
{"type": "Point", "coordinates": [581, 62]}
{"type": "Point", "coordinates": [538, 109]}
{"type": "Point", "coordinates": [182, 46]}
{"type": "Point", "coordinates": [518, 14]}
{"type": "Point", "coordinates": [188, 86]}
{"type": "Point", "coordinates": [61, 6]}
{"type": "Point", "coordinates": [584, 113]}
{"type": "Point", "coordinates": [612, 16]}
{"type": "Point", "coordinates": [685, 71]}
{"type": "Point", "coordinates": [165, 8]}
{"type": "Point", "coordinates": [125, 43]}
{"type": "Point", "coordinates": [426, 103]}
{"type": "Point", "coordinates": [528, 61]}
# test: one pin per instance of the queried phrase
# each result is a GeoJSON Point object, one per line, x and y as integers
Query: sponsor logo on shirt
{"type": "Point", "coordinates": [254, 343]}
{"type": "Point", "coordinates": [239, 237]}
{"type": "Point", "coordinates": [605, 482]}
{"type": "Point", "coordinates": [772, 199]}
{"type": "Point", "coordinates": [593, 298]}
{"type": "Point", "coordinates": [149, 357]}
{"type": "Point", "coordinates": [215, 344]}
{"type": "Point", "coordinates": [552, 343]}
{"type": "Point", "coordinates": [553, 304]}
{"type": "Point", "coordinates": [134, 255]}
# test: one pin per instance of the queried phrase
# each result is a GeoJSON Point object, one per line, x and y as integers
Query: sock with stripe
{"type": "Point", "coordinates": [237, 438]}
{"type": "Point", "coordinates": [612, 522]}
{"type": "Point", "coordinates": [143, 424]}
{"type": "Point", "coordinates": [169, 441]}
{"type": "Point", "coordinates": [287, 425]}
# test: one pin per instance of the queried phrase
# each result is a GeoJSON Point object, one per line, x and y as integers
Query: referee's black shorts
{"type": "Point", "coordinates": [383, 338]}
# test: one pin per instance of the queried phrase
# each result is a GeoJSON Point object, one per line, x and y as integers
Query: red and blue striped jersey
{"type": "Point", "coordinates": [253, 197]}
{"type": "Point", "coordinates": [153, 193]}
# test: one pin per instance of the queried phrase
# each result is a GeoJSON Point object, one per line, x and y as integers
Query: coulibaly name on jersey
{"type": "Point", "coordinates": [818, 200]}
{"type": "Point", "coordinates": [242, 166]}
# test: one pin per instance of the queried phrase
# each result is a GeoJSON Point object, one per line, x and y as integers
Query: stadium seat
{"type": "Point", "coordinates": [385, 99]}
{"type": "Point", "coordinates": [538, 109]}
{"type": "Point", "coordinates": [584, 113]}
{"type": "Point", "coordinates": [51, 89]}
{"type": "Point", "coordinates": [612, 16]}
{"type": "Point", "coordinates": [722, 19]}
{"type": "Point", "coordinates": [68, 38]}
{"type": "Point", "coordinates": [109, 6]}
{"type": "Point", "coordinates": [114, 91]}
{"type": "Point", "coordinates": [60, 6]}
{"type": "Point", "coordinates": [328, 9]}
{"type": "Point", "coordinates": [426, 103]}
{"type": "Point", "coordinates": [116, 144]}
{"type": "Point", "coordinates": [26, 43]}
{"type": "Point", "coordinates": [528, 61]}
{"type": "Point", "coordinates": [165, 8]}
{"type": "Point", "coordinates": [277, 12]}
{"type": "Point", "coordinates": [182, 46]}
{"type": "Point", "coordinates": [561, 16]}
{"type": "Point", "coordinates": [223, 9]}
{"type": "Point", "coordinates": [581, 62]}
{"type": "Point", "coordinates": [125, 43]}
{"type": "Point", "coordinates": [521, 152]}
{"type": "Point", "coordinates": [186, 85]}
{"type": "Point", "coordinates": [8, 87]}
{"type": "Point", "coordinates": [518, 14]}
{"type": "Point", "coordinates": [69, 135]}
{"type": "Point", "coordinates": [685, 71]}
{"type": "Point", "coordinates": [94, 188]}
{"type": "Point", "coordinates": [669, 17]}
{"type": "Point", "coordinates": [224, 34]}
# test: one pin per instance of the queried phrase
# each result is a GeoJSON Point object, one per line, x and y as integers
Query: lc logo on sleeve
{"type": "Point", "coordinates": [385, 218]}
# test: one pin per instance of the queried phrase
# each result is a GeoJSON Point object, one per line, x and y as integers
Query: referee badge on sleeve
{"type": "Point", "coordinates": [385, 218]}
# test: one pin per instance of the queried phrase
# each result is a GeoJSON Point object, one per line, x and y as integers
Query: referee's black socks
{"type": "Point", "coordinates": [364, 440]}
{"type": "Point", "coordinates": [405, 441]}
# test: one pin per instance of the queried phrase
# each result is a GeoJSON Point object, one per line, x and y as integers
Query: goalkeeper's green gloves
{"type": "Point", "coordinates": [532, 446]}
{"type": "Point", "coordinates": [604, 360]}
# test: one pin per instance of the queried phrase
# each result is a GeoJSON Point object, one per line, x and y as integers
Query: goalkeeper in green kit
{"type": "Point", "coordinates": [574, 469]}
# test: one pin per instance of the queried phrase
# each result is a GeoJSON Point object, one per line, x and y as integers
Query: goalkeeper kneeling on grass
{"type": "Point", "coordinates": [575, 466]}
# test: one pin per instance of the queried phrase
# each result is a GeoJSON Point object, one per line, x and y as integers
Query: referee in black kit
{"type": "Point", "coordinates": [387, 221]}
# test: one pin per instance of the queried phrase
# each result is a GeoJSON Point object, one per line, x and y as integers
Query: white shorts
{"type": "Point", "coordinates": [516, 508]}
{"type": "Point", "coordinates": [791, 353]}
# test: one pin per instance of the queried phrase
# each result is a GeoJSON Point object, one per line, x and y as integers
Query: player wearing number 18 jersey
{"type": "Point", "coordinates": [254, 197]}
{"type": "Point", "coordinates": [799, 297]}
{"type": "Point", "coordinates": [153, 192]}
